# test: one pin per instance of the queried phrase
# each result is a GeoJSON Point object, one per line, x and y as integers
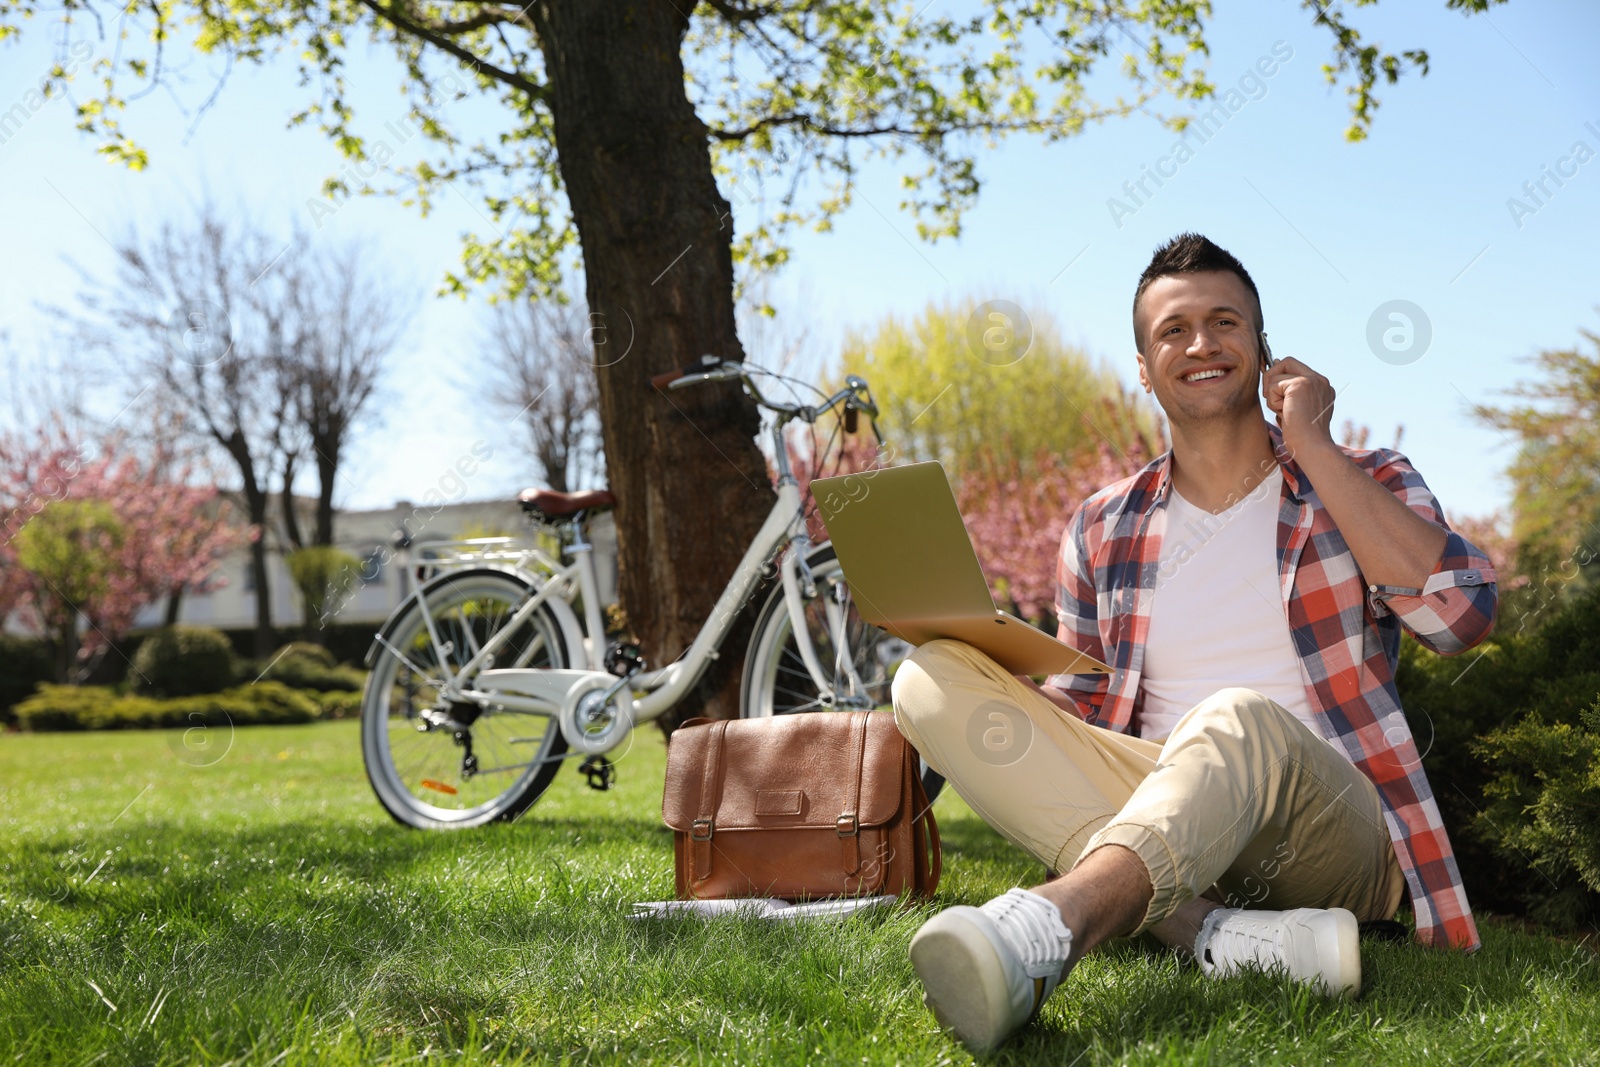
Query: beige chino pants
{"type": "Point", "coordinates": [1242, 803]}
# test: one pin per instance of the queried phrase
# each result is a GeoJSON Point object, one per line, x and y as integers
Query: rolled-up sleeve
{"type": "Point", "coordinates": [1077, 620]}
{"type": "Point", "coordinates": [1455, 608]}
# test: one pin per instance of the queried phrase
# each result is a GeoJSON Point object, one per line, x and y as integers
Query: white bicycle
{"type": "Point", "coordinates": [497, 668]}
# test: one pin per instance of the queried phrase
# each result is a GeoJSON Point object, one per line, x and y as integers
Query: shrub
{"type": "Point", "coordinates": [1549, 673]}
{"type": "Point", "coordinates": [24, 663]}
{"type": "Point", "coordinates": [303, 665]}
{"type": "Point", "coordinates": [323, 575]}
{"type": "Point", "coordinates": [183, 660]}
{"type": "Point", "coordinates": [1544, 806]}
{"type": "Point", "coordinates": [65, 707]}
{"type": "Point", "coordinates": [62, 707]}
{"type": "Point", "coordinates": [348, 642]}
{"type": "Point", "coordinates": [340, 704]}
{"type": "Point", "coordinates": [305, 652]}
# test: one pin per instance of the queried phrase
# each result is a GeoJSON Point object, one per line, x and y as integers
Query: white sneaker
{"type": "Point", "coordinates": [985, 971]}
{"type": "Point", "coordinates": [1317, 946]}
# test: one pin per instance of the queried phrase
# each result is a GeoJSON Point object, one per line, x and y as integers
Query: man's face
{"type": "Point", "coordinates": [1201, 355]}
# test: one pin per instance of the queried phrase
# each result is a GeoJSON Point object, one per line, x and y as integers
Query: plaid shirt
{"type": "Point", "coordinates": [1347, 633]}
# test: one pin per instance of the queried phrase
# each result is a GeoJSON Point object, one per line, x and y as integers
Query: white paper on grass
{"type": "Point", "coordinates": [757, 908]}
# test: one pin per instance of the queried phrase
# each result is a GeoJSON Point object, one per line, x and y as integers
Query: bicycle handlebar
{"type": "Point", "coordinates": [709, 370]}
{"type": "Point", "coordinates": [856, 394]}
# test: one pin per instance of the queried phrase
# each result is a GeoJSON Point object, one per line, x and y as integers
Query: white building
{"type": "Point", "coordinates": [388, 541]}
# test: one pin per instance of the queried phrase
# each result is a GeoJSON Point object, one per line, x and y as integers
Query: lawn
{"type": "Point", "coordinates": [262, 909]}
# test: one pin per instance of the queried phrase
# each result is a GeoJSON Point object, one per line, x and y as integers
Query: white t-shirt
{"type": "Point", "coordinates": [1218, 618]}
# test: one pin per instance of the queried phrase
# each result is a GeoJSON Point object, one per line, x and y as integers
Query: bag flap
{"type": "Point", "coordinates": [786, 770]}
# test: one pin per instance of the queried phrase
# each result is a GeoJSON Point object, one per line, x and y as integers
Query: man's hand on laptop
{"type": "Point", "coordinates": [1050, 693]}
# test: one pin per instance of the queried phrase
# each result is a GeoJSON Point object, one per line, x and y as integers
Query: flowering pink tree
{"type": "Point", "coordinates": [89, 536]}
{"type": "Point", "coordinates": [1016, 512]}
{"type": "Point", "coordinates": [813, 454]}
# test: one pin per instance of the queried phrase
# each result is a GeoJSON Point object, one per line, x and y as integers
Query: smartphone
{"type": "Point", "coordinates": [1266, 351]}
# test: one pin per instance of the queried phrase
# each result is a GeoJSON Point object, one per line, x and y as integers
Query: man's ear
{"type": "Point", "coordinates": [1144, 375]}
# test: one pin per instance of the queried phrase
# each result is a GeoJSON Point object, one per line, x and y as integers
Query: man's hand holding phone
{"type": "Point", "coordinates": [1302, 400]}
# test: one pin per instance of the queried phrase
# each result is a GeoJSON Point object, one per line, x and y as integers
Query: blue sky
{"type": "Point", "coordinates": [1331, 231]}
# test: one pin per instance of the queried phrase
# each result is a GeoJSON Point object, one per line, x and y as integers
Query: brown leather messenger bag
{"type": "Point", "coordinates": [799, 807]}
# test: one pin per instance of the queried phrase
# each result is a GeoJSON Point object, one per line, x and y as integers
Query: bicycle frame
{"type": "Point", "coordinates": [548, 691]}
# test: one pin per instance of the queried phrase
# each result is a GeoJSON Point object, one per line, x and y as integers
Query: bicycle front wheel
{"type": "Point", "coordinates": [436, 764]}
{"type": "Point", "coordinates": [859, 669]}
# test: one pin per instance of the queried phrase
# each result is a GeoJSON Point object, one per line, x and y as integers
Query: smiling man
{"type": "Point", "coordinates": [1245, 786]}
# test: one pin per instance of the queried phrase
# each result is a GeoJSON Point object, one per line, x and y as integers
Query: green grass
{"type": "Point", "coordinates": [264, 910]}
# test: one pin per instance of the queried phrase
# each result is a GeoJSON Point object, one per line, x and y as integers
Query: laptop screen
{"type": "Point", "coordinates": [902, 544]}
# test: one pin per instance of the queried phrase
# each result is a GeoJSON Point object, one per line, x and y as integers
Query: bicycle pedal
{"type": "Point", "coordinates": [600, 772]}
{"type": "Point", "coordinates": [624, 659]}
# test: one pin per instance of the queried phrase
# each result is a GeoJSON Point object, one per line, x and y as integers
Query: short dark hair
{"type": "Point", "coordinates": [1190, 253]}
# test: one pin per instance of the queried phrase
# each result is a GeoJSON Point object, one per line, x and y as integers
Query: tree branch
{"type": "Point", "coordinates": [490, 16]}
{"type": "Point", "coordinates": [533, 89]}
{"type": "Point", "coordinates": [810, 124]}
{"type": "Point", "coordinates": [736, 13]}
{"type": "Point", "coordinates": [805, 122]}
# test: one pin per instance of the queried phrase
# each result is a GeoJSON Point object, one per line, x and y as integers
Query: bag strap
{"type": "Point", "coordinates": [936, 854]}
{"type": "Point", "coordinates": [930, 854]}
{"type": "Point", "coordinates": [705, 825]}
{"type": "Point", "coordinates": [848, 825]}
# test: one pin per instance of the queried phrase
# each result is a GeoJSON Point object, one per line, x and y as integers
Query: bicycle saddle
{"type": "Point", "coordinates": [550, 503]}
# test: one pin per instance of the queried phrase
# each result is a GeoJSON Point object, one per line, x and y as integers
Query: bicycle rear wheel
{"type": "Point", "coordinates": [438, 765]}
{"type": "Point", "coordinates": [776, 681]}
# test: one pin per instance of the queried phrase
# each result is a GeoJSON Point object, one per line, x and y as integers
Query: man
{"type": "Point", "coordinates": [1249, 753]}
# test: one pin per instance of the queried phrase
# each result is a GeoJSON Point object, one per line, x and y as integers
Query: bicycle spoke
{"type": "Point", "coordinates": [798, 672]}
{"type": "Point", "coordinates": [501, 770]}
{"type": "Point", "coordinates": [415, 767]}
{"type": "Point", "coordinates": [402, 658]}
{"type": "Point", "coordinates": [470, 638]}
{"type": "Point", "coordinates": [811, 698]}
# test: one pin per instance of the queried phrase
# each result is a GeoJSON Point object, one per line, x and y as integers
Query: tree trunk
{"type": "Point", "coordinates": [553, 458]}
{"type": "Point", "coordinates": [328, 448]}
{"type": "Point", "coordinates": [67, 649]}
{"type": "Point", "coordinates": [174, 606]}
{"type": "Point", "coordinates": [257, 508]}
{"type": "Point", "coordinates": [691, 485]}
{"type": "Point", "coordinates": [255, 500]}
{"type": "Point", "coordinates": [291, 517]}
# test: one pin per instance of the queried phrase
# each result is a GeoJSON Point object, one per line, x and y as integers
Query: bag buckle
{"type": "Point", "coordinates": [700, 830]}
{"type": "Point", "coordinates": [846, 825]}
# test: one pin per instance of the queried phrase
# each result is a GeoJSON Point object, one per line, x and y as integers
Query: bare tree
{"type": "Point", "coordinates": [270, 350]}
{"type": "Point", "coordinates": [542, 374]}
{"type": "Point", "coordinates": [346, 320]}
{"type": "Point", "coordinates": [198, 314]}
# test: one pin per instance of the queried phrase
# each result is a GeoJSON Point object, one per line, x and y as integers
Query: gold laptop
{"type": "Point", "coordinates": [910, 565]}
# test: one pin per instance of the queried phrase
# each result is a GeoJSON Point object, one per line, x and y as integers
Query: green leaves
{"type": "Point", "coordinates": [71, 545]}
{"type": "Point", "coordinates": [1556, 472]}
{"type": "Point", "coordinates": [961, 383]}
{"type": "Point", "coordinates": [1545, 806]}
{"type": "Point", "coordinates": [1369, 61]}
{"type": "Point", "coordinates": [796, 91]}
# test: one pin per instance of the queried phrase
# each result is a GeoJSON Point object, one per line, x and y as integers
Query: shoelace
{"type": "Point", "coordinates": [1240, 940]}
{"type": "Point", "coordinates": [1032, 928]}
